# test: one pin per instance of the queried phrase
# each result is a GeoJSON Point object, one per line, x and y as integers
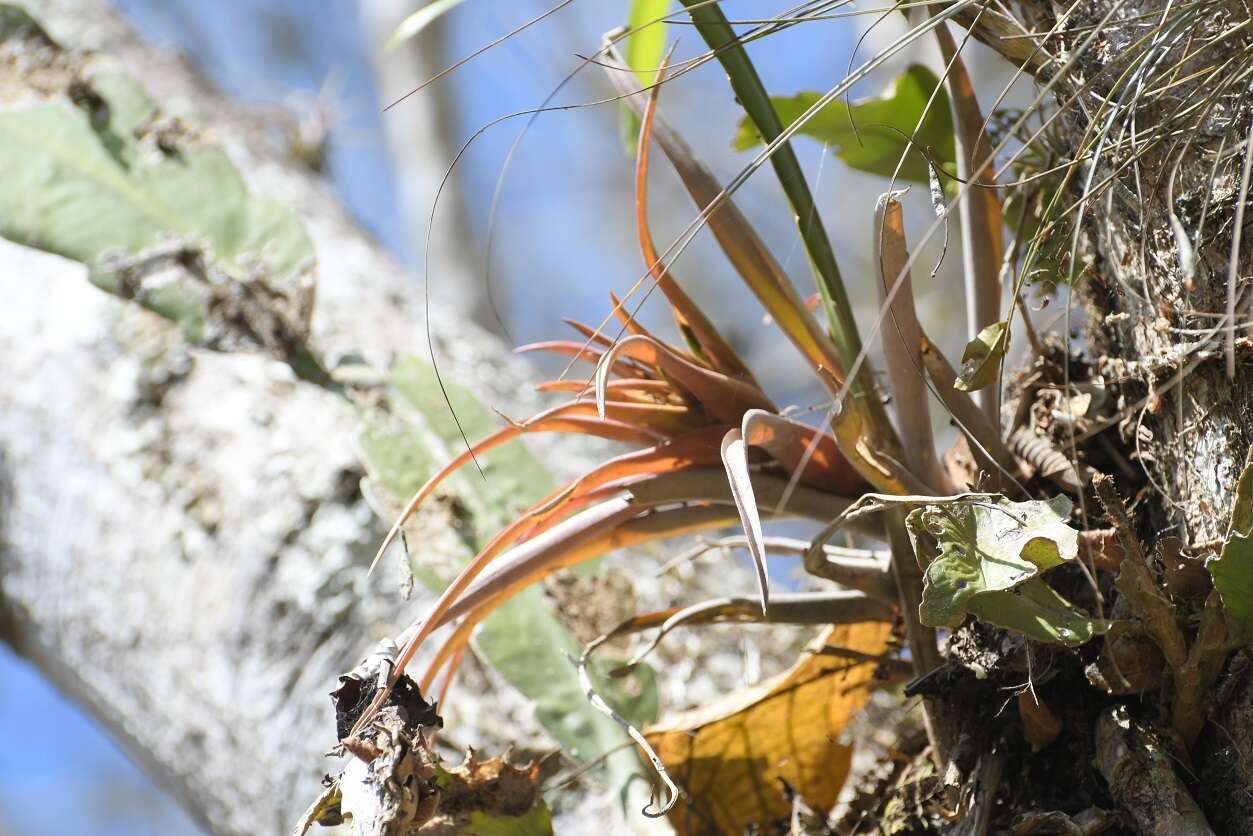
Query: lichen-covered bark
{"type": "Point", "coordinates": [182, 538]}
{"type": "Point", "coordinates": [1153, 310]}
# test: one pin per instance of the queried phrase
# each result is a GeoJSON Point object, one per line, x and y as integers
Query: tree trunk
{"type": "Point", "coordinates": [183, 540]}
{"type": "Point", "coordinates": [1153, 285]}
{"type": "Point", "coordinates": [1191, 437]}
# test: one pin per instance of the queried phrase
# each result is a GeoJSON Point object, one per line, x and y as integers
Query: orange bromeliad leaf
{"type": "Point", "coordinates": [732, 757]}
{"type": "Point", "coordinates": [691, 319]}
{"type": "Point", "coordinates": [790, 443]}
{"type": "Point", "coordinates": [722, 396]}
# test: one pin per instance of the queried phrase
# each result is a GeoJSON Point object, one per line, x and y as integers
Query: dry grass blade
{"type": "Point", "coordinates": [735, 460]}
{"type": "Point", "coordinates": [981, 214]}
{"type": "Point", "coordinates": [597, 702]}
{"type": "Point", "coordinates": [813, 608]}
{"type": "Point", "coordinates": [902, 346]}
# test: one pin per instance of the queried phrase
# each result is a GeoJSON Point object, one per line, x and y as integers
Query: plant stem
{"type": "Point", "coordinates": [713, 26]}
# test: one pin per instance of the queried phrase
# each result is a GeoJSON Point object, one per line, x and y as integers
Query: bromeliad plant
{"type": "Point", "coordinates": [713, 449]}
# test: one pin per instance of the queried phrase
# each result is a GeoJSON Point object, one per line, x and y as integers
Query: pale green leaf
{"type": "Point", "coordinates": [419, 20]}
{"type": "Point", "coordinates": [988, 558]}
{"type": "Point", "coordinates": [981, 361]}
{"type": "Point", "coordinates": [95, 171]}
{"type": "Point", "coordinates": [872, 134]}
{"type": "Point", "coordinates": [1038, 612]}
{"type": "Point", "coordinates": [643, 50]}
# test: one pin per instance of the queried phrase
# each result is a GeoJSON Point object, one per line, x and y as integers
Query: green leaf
{"type": "Point", "coordinates": [988, 559]}
{"type": "Point", "coordinates": [419, 20]}
{"type": "Point", "coordinates": [1038, 612]}
{"type": "Point", "coordinates": [1232, 570]}
{"type": "Point", "coordinates": [872, 134]}
{"type": "Point", "coordinates": [534, 822]}
{"type": "Point", "coordinates": [643, 50]}
{"type": "Point", "coordinates": [161, 217]}
{"type": "Point", "coordinates": [523, 640]}
{"type": "Point", "coordinates": [981, 361]}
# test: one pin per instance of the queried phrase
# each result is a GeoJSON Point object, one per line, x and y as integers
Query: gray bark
{"type": "Point", "coordinates": [1153, 317]}
{"type": "Point", "coordinates": [182, 537]}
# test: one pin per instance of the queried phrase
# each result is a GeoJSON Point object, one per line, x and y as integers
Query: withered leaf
{"type": "Point", "coordinates": [733, 758]}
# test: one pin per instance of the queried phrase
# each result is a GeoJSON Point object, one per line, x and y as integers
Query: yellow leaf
{"type": "Point", "coordinates": [732, 757]}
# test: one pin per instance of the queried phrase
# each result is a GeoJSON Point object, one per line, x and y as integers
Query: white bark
{"type": "Point", "coordinates": [182, 539]}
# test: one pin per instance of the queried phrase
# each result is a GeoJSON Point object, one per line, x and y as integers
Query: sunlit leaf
{"type": "Point", "coordinates": [735, 460]}
{"type": "Point", "coordinates": [733, 756]}
{"type": "Point", "coordinates": [1038, 612]}
{"type": "Point", "coordinates": [981, 361]}
{"type": "Point", "coordinates": [490, 798]}
{"type": "Point", "coordinates": [987, 561]}
{"type": "Point", "coordinates": [872, 134]}
{"type": "Point", "coordinates": [1232, 570]}
{"type": "Point", "coordinates": [419, 20]}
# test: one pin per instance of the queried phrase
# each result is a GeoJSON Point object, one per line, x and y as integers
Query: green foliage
{"type": "Point", "coordinates": [872, 134]}
{"type": "Point", "coordinates": [750, 92]}
{"type": "Point", "coordinates": [1232, 570]}
{"type": "Point", "coordinates": [981, 361]}
{"type": "Point", "coordinates": [86, 181]}
{"type": "Point", "coordinates": [523, 640]}
{"type": "Point", "coordinates": [534, 822]}
{"type": "Point", "coordinates": [988, 559]}
{"type": "Point", "coordinates": [644, 47]}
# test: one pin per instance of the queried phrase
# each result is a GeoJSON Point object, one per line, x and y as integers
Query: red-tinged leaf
{"type": "Point", "coordinates": [700, 447]}
{"type": "Point", "coordinates": [630, 387]}
{"type": "Point", "coordinates": [709, 485]}
{"type": "Point", "coordinates": [744, 248]}
{"type": "Point", "coordinates": [615, 524]}
{"type": "Point", "coordinates": [577, 417]}
{"type": "Point", "coordinates": [663, 419]}
{"type": "Point", "coordinates": [634, 328]}
{"type": "Point", "coordinates": [788, 442]}
{"type": "Point", "coordinates": [723, 397]}
{"type": "Point", "coordinates": [612, 525]}
{"type": "Point", "coordinates": [735, 460]}
{"type": "Point", "coordinates": [861, 427]}
{"type": "Point", "coordinates": [588, 331]}
{"type": "Point", "coordinates": [691, 319]}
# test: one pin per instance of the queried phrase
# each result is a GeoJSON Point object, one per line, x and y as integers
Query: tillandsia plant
{"type": "Point", "coordinates": [1001, 571]}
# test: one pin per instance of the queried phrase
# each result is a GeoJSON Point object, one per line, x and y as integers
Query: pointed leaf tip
{"type": "Point", "coordinates": [735, 460]}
